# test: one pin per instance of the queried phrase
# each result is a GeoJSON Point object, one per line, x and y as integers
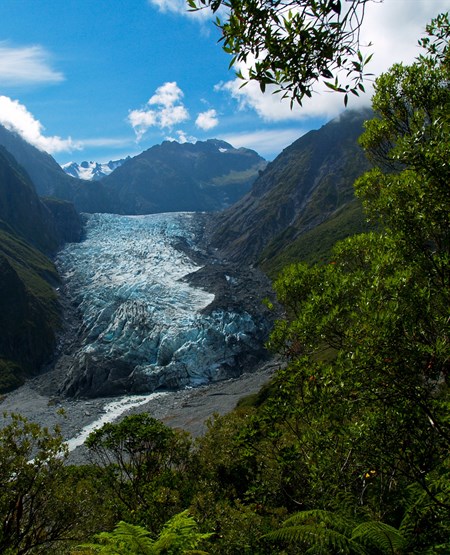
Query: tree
{"type": "Point", "coordinates": [293, 43]}
{"type": "Point", "coordinates": [146, 465]}
{"type": "Point", "coordinates": [35, 508]}
{"type": "Point", "coordinates": [363, 405]}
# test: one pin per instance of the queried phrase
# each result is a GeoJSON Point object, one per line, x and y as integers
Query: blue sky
{"type": "Point", "coordinates": [102, 79]}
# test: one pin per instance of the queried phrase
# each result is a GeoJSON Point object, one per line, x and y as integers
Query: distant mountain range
{"type": "Point", "coordinates": [174, 177]}
{"type": "Point", "coordinates": [170, 177]}
{"type": "Point", "coordinates": [92, 171]}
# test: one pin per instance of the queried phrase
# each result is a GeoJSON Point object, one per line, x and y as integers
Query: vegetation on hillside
{"type": "Point", "coordinates": [347, 450]}
{"type": "Point", "coordinates": [29, 311]}
{"type": "Point", "coordinates": [308, 187]}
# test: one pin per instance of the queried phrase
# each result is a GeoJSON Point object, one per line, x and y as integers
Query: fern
{"type": "Point", "coordinates": [322, 531]}
{"type": "Point", "coordinates": [318, 538]}
{"type": "Point", "coordinates": [325, 532]}
{"type": "Point", "coordinates": [178, 537]}
{"type": "Point", "coordinates": [335, 521]}
{"type": "Point", "coordinates": [125, 539]}
{"type": "Point", "coordinates": [386, 539]}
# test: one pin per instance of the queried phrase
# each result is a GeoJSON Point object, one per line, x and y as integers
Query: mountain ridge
{"type": "Point", "coordinates": [170, 177]}
{"type": "Point", "coordinates": [300, 190]}
{"type": "Point", "coordinates": [30, 231]}
{"type": "Point", "coordinates": [174, 177]}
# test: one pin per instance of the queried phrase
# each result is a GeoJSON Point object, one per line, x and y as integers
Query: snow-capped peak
{"type": "Point", "coordinates": [91, 171]}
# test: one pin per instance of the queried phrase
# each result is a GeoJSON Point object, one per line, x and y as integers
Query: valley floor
{"type": "Point", "coordinates": [186, 409]}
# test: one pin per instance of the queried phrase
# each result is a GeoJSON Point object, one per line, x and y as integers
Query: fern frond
{"type": "Point", "coordinates": [385, 538]}
{"type": "Point", "coordinates": [123, 540]}
{"type": "Point", "coordinates": [180, 534]}
{"type": "Point", "coordinates": [332, 520]}
{"type": "Point", "coordinates": [318, 537]}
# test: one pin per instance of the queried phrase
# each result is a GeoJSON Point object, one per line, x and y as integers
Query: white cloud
{"type": "Point", "coordinates": [180, 7]}
{"type": "Point", "coordinates": [169, 111]}
{"type": "Point", "coordinates": [265, 142]}
{"type": "Point", "coordinates": [393, 27]}
{"type": "Point", "coordinates": [272, 108]}
{"type": "Point", "coordinates": [15, 117]}
{"type": "Point", "coordinates": [25, 65]}
{"type": "Point", "coordinates": [207, 120]}
{"type": "Point", "coordinates": [182, 137]}
{"type": "Point", "coordinates": [167, 95]}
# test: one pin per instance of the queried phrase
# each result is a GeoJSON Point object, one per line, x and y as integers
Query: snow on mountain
{"type": "Point", "coordinates": [143, 326]}
{"type": "Point", "coordinates": [91, 171]}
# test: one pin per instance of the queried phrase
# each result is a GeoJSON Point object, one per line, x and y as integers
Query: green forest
{"type": "Point", "coordinates": [347, 449]}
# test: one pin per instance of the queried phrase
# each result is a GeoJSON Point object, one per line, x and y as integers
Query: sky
{"type": "Point", "coordinates": [99, 80]}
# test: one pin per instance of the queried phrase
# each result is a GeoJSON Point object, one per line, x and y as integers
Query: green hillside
{"type": "Point", "coordinates": [29, 311]}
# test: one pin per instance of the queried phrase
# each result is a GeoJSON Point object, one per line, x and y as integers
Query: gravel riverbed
{"type": "Point", "coordinates": [187, 409]}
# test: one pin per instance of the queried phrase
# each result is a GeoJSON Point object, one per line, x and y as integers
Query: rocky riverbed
{"type": "Point", "coordinates": [187, 409]}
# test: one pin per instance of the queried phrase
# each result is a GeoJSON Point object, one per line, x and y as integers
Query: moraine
{"type": "Point", "coordinates": [144, 327]}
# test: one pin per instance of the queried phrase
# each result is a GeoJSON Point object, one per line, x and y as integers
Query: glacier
{"type": "Point", "coordinates": [144, 326]}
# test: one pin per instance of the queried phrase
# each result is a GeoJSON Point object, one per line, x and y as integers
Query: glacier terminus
{"type": "Point", "coordinates": [145, 323]}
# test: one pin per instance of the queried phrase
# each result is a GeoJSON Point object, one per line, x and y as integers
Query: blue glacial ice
{"type": "Point", "coordinates": [143, 327]}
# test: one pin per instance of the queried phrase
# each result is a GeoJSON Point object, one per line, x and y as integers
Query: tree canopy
{"type": "Point", "coordinates": [293, 43]}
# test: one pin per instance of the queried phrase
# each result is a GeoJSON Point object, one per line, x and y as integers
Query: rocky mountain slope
{"type": "Point", "coordinates": [174, 177]}
{"type": "Point", "coordinates": [309, 185]}
{"type": "Point", "coordinates": [29, 310]}
{"type": "Point", "coordinates": [49, 178]}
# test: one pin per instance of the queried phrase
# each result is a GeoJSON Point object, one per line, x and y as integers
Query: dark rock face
{"type": "Point", "coordinates": [299, 190]}
{"type": "Point", "coordinates": [21, 208]}
{"type": "Point", "coordinates": [174, 177]}
{"type": "Point", "coordinates": [67, 220]}
{"type": "Point", "coordinates": [29, 310]}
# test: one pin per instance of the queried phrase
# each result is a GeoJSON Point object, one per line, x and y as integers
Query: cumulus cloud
{"type": "Point", "coordinates": [15, 117]}
{"type": "Point", "coordinates": [169, 110]}
{"type": "Point", "coordinates": [272, 108]}
{"type": "Point", "coordinates": [393, 29]}
{"type": "Point", "coordinates": [182, 137]}
{"type": "Point", "coordinates": [25, 65]}
{"type": "Point", "coordinates": [207, 120]}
